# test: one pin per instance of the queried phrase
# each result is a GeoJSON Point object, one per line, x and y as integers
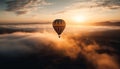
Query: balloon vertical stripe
{"type": "Point", "coordinates": [59, 26]}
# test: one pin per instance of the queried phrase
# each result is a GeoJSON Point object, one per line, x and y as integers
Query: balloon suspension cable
{"type": "Point", "coordinates": [59, 36]}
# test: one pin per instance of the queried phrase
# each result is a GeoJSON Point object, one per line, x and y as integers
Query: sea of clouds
{"type": "Point", "coordinates": [46, 50]}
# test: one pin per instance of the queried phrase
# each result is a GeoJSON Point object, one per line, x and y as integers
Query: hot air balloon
{"type": "Point", "coordinates": [59, 26]}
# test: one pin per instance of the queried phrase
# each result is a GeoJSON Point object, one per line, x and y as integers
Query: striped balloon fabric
{"type": "Point", "coordinates": [59, 26]}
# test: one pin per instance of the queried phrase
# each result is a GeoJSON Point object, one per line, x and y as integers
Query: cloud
{"type": "Point", "coordinates": [109, 4]}
{"type": "Point", "coordinates": [21, 12]}
{"type": "Point", "coordinates": [70, 50]}
{"type": "Point", "coordinates": [24, 6]}
{"type": "Point", "coordinates": [19, 42]}
{"type": "Point", "coordinates": [99, 61]}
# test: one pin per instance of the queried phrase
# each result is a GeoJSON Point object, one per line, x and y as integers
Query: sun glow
{"type": "Point", "coordinates": [79, 19]}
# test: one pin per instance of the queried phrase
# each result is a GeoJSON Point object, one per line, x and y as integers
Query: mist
{"type": "Point", "coordinates": [45, 50]}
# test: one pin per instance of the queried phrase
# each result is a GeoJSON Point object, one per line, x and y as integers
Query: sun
{"type": "Point", "coordinates": [79, 19]}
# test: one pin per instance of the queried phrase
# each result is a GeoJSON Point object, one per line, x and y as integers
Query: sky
{"type": "Point", "coordinates": [72, 11]}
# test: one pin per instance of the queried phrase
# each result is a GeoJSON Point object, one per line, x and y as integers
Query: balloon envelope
{"type": "Point", "coordinates": [59, 26]}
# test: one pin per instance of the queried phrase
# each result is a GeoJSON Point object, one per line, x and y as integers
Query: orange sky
{"type": "Point", "coordinates": [72, 11]}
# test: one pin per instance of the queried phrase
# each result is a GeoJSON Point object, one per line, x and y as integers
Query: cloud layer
{"type": "Point", "coordinates": [46, 51]}
{"type": "Point", "coordinates": [111, 4]}
{"type": "Point", "coordinates": [24, 6]}
{"type": "Point", "coordinates": [86, 4]}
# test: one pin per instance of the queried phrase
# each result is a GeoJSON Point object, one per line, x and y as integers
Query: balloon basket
{"type": "Point", "coordinates": [59, 36]}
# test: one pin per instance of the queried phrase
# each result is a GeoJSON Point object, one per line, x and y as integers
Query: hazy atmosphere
{"type": "Point", "coordinates": [73, 11]}
{"type": "Point", "coordinates": [60, 34]}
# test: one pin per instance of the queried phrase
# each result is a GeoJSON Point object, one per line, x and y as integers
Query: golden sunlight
{"type": "Point", "coordinates": [79, 19]}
